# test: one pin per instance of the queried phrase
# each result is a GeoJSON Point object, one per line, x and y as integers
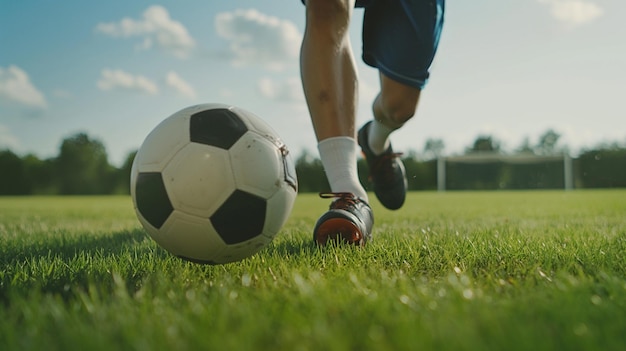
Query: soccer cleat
{"type": "Point", "coordinates": [349, 220]}
{"type": "Point", "coordinates": [386, 172]}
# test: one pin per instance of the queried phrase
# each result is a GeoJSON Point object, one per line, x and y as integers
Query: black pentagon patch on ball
{"type": "Point", "coordinates": [217, 127]}
{"type": "Point", "coordinates": [240, 218]}
{"type": "Point", "coordinates": [152, 200]}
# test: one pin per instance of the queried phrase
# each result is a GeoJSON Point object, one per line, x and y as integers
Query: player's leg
{"type": "Point", "coordinates": [400, 38]}
{"type": "Point", "coordinates": [329, 80]}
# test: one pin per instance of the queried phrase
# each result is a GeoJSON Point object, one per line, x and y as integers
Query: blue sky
{"type": "Point", "coordinates": [115, 69]}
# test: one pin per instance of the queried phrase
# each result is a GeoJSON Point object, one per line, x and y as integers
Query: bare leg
{"type": "Point", "coordinates": [328, 70]}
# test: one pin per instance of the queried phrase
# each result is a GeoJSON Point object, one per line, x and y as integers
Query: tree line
{"type": "Point", "coordinates": [82, 168]}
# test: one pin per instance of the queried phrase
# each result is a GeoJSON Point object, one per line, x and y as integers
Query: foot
{"type": "Point", "coordinates": [386, 172]}
{"type": "Point", "coordinates": [349, 220]}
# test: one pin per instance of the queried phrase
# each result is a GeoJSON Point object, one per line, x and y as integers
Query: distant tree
{"type": "Point", "coordinates": [603, 167]}
{"type": "Point", "coordinates": [311, 176]}
{"type": "Point", "coordinates": [547, 142]}
{"type": "Point", "coordinates": [13, 180]}
{"type": "Point", "coordinates": [434, 148]}
{"type": "Point", "coordinates": [525, 147]}
{"type": "Point", "coordinates": [420, 174]}
{"type": "Point", "coordinates": [484, 143]}
{"type": "Point", "coordinates": [83, 168]}
{"type": "Point", "coordinates": [40, 174]}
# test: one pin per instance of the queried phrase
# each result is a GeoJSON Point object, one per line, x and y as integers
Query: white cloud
{"type": "Point", "coordinates": [573, 12]}
{"type": "Point", "coordinates": [258, 38]}
{"type": "Point", "coordinates": [173, 80]}
{"type": "Point", "coordinates": [156, 27]}
{"type": "Point", "coordinates": [118, 79]}
{"type": "Point", "coordinates": [288, 90]}
{"type": "Point", "coordinates": [15, 86]}
{"type": "Point", "coordinates": [8, 140]}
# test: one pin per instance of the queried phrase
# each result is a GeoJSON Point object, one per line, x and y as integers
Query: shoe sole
{"type": "Point", "coordinates": [339, 230]}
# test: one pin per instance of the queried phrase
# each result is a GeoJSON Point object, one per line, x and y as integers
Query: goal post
{"type": "Point", "coordinates": [489, 157]}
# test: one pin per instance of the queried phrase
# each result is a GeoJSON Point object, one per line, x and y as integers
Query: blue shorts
{"type": "Point", "coordinates": [400, 37]}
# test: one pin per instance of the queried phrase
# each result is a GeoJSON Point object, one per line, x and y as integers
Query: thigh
{"type": "Point", "coordinates": [400, 38]}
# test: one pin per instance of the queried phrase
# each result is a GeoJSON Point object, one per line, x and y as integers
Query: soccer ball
{"type": "Point", "coordinates": [213, 184]}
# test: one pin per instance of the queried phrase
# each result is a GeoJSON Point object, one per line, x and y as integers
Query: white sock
{"type": "Point", "coordinates": [378, 138]}
{"type": "Point", "coordinates": [339, 157]}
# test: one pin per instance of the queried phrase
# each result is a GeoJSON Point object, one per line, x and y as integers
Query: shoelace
{"type": "Point", "coordinates": [383, 166]}
{"type": "Point", "coordinates": [343, 199]}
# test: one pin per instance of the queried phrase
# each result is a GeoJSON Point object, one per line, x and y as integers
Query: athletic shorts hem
{"type": "Point", "coordinates": [371, 61]}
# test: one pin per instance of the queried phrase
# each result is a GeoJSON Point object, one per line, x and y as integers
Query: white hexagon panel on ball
{"type": "Point", "coordinates": [199, 179]}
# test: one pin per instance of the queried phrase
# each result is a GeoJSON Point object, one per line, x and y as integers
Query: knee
{"type": "Point", "coordinates": [397, 110]}
{"type": "Point", "coordinates": [328, 16]}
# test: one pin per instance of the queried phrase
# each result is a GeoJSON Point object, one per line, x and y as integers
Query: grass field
{"type": "Point", "coordinates": [453, 271]}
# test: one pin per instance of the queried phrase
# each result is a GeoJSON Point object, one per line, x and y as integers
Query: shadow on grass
{"type": "Point", "coordinates": [69, 247]}
{"type": "Point", "coordinates": [66, 265]}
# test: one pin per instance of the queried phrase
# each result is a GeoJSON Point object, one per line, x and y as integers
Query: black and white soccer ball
{"type": "Point", "coordinates": [213, 184]}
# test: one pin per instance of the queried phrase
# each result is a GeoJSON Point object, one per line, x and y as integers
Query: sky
{"type": "Point", "coordinates": [114, 69]}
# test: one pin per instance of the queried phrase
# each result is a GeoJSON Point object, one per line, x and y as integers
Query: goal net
{"type": "Point", "coordinates": [487, 170]}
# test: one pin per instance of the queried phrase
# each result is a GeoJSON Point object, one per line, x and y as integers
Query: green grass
{"type": "Point", "coordinates": [452, 271]}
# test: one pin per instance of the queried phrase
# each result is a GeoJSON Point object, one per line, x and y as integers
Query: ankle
{"type": "Point", "coordinates": [378, 137]}
{"type": "Point", "coordinates": [339, 158]}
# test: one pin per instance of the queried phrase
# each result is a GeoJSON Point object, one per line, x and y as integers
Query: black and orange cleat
{"type": "Point", "coordinates": [349, 220]}
{"type": "Point", "coordinates": [386, 172]}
